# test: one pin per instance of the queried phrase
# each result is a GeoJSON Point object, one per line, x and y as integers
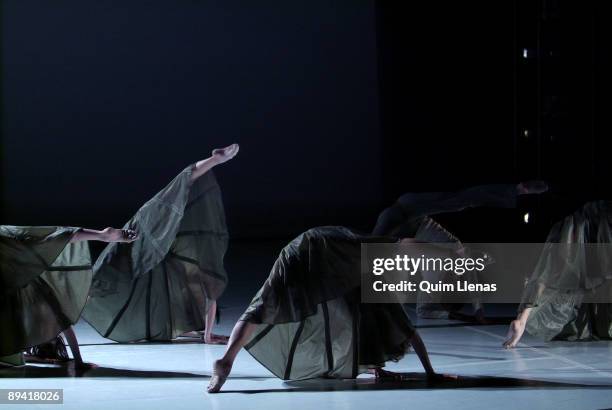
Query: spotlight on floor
{"type": "Point", "coordinates": [526, 217]}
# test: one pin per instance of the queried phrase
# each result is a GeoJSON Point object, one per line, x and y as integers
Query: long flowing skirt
{"type": "Point", "coordinates": [161, 285]}
{"type": "Point", "coordinates": [310, 319]}
{"type": "Point", "coordinates": [563, 276]}
{"type": "Point", "coordinates": [44, 283]}
{"type": "Point", "coordinates": [411, 216]}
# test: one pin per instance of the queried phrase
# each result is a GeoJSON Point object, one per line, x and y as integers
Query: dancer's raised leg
{"type": "Point", "coordinates": [105, 235]}
{"type": "Point", "coordinates": [219, 156]}
{"type": "Point", "coordinates": [221, 369]}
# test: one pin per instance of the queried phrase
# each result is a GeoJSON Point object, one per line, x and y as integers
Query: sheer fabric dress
{"type": "Point", "coordinates": [160, 285]}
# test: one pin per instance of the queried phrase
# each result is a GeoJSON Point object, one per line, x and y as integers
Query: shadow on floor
{"type": "Point", "coordinates": [417, 381]}
{"type": "Point", "coordinates": [467, 320]}
{"type": "Point", "coordinates": [68, 370]}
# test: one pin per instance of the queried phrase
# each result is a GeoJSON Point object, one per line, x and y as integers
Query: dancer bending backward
{"type": "Point", "coordinates": [307, 320]}
{"type": "Point", "coordinates": [166, 283]}
{"type": "Point", "coordinates": [410, 216]}
{"type": "Point", "coordinates": [45, 277]}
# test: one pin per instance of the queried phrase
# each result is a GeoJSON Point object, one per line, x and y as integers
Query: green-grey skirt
{"type": "Point", "coordinates": [310, 319]}
{"type": "Point", "coordinates": [160, 285]}
{"type": "Point", "coordinates": [44, 283]}
{"type": "Point", "coordinates": [564, 275]}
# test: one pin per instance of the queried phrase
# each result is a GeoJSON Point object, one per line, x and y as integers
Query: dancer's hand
{"type": "Point", "coordinates": [225, 154]}
{"type": "Point", "coordinates": [216, 339]}
{"type": "Point", "coordinates": [515, 332]}
{"type": "Point", "coordinates": [119, 235]}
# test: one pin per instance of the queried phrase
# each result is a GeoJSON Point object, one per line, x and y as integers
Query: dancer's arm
{"type": "Point", "coordinates": [517, 326]}
{"type": "Point", "coordinates": [76, 352]}
{"type": "Point", "coordinates": [105, 235]}
{"type": "Point", "coordinates": [421, 351]}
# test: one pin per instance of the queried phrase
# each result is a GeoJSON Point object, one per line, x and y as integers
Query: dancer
{"type": "Point", "coordinates": [410, 216]}
{"type": "Point", "coordinates": [570, 266]}
{"type": "Point", "coordinates": [45, 276]}
{"type": "Point", "coordinates": [167, 282]}
{"type": "Point", "coordinates": [307, 321]}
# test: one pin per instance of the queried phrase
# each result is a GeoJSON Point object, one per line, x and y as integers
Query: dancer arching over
{"type": "Point", "coordinates": [575, 261]}
{"type": "Point", "coordinates": [411, 216]}
{"type": "Point", "coordinates": [307, 320]}
{"type": "Point", "coordinates": [168, 281]}
{"type": "Point", "coordinates": [45, 277]}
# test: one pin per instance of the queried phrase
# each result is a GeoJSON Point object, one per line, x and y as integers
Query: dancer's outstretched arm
{"type": "Point", "coordinates": [105, 235]}
{"type": "Point", "coordinates": [219, 156]}
{"type": "Point", "coordinates": [517, 328]}
{"type": "Point", "coordinates": [76, 352]}
{"type": "Point", "coordinates": [421, 352]}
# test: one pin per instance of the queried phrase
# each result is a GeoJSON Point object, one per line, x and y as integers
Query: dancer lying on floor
{"type": "Point", "coordinates": [552, 305]}
{"type": "Point", "coordinates": [307, 320]}
{"type": "Point", "coordinates": [167, 282]}
{"type": "Point", "coordinates": [45, 276]}
{"type": "Point", "coordinates": [411, 216]}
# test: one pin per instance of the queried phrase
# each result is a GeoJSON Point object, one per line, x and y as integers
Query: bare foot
{"type": "Point", "coordinates": [225, 154]}
{"type": "Point", "coordinates": [220, 372]}
{"type": "Point", "coordinates": [515, 332]}
{"type": "Point", "coordinates": [531, 187]}
{"type": "Point", "coordinates": [119, 235]}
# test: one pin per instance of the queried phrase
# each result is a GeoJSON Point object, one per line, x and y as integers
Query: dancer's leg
{"type": "Point", "coordinates": [105, 235]}
{"type": "Point", "coordinates": [209, 336]}
{"type": "Point", "coordinates": [431, 203]}
{"type": "Point", "coordinates": [219, 156]}
{"type": "Point", "coordinates": [221, 369]}
{"type": "Point", "coordinates": [417, 205]}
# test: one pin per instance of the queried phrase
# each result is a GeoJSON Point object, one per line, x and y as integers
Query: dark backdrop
{"type": "Point", "coordinates": [339, 106]}
{"type": "Point", "coordinates": [103, 102]}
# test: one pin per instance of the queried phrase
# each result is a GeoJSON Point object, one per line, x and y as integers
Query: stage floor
{"type": "Point", "coordinates": [537, 375]}
{"type": "Point", "coordinates": [150, 376]}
